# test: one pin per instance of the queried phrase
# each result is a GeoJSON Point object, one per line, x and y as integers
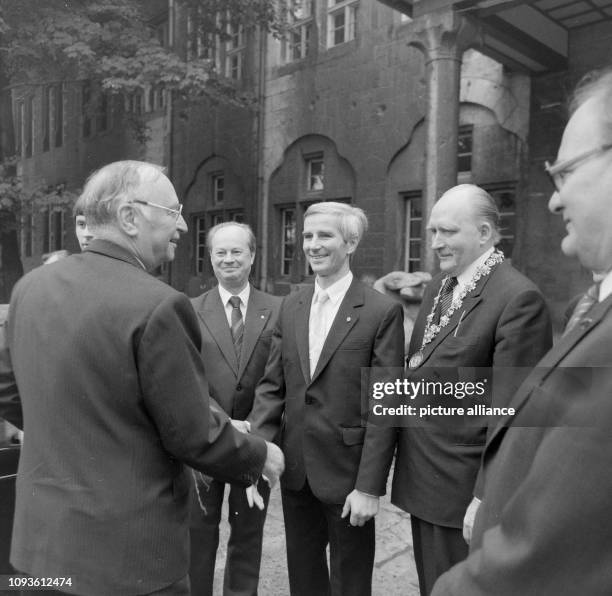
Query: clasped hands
{"type": "Point", "coordinates": [274, 466]}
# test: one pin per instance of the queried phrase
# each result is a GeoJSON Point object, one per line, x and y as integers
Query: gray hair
{"type": "Point", "coordinates": [352, 224]}
{"type": "Point", "coordinates": [596, 84]}
{"type": "Point", "coordinates": [111, 186]}
{"type": "Point", "coordinates": [252, 242]}
{"type": "Point", "coordinates": [485, 206]}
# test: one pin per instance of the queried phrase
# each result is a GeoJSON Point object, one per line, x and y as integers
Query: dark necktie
{"type": "Point", "coordinates": [237, 324]}
{"type": "Point", "coordinates": [584, 305]}
{"type": "Point", "coordinates": [446, 298]}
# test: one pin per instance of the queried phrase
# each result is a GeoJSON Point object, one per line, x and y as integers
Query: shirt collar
{"type": "Point", "coordinates": [337, 290]}
{"type": "Point", "coordinates": [244, 295]}
{"type": "Point", "coordinates": [605, 289]}
{"type": "Point", "coordinates": [466, 276]}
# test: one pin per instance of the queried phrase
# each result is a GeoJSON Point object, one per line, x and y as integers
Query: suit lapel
{"type": "Point", "coordinates": [301, 330]}
{"type": "Point", "coordinates": [213, 316]}
{"type": "Point", "coordinates": [550, 360]}
{"type": "Point", "coordinates": [345, 319]}
{"type": "Point", "coordinates": [257, 316]}
{"type": "Point", "coordinates": [469, 303]}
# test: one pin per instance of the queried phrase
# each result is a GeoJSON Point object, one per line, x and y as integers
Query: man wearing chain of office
{"type": "Point", "coordinates": [478, 312]}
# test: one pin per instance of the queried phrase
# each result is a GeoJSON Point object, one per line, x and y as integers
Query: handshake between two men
{"type": "Point", "coordinates": [273, 468]}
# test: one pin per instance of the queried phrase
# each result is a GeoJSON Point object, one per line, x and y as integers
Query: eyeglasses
{"type": "Point", "coordinates": [557, 171]}
{"type": "Point", "coordinates": [175, 212]}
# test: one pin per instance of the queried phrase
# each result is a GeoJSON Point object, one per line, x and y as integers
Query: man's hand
{"type": "Point", "coordinates": [242, 425]}
{"type": "Point", "coordinates": [468, 519]}
{"type": "Point", "coordinates": [274, 465]}
{"type": "Point", "coordinates": [362, 507]}
{"type": "Point", "coordinates": [254, 498]}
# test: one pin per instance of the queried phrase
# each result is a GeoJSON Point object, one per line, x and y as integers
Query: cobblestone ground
{"type": "Point", "coordinates": [394, 570]}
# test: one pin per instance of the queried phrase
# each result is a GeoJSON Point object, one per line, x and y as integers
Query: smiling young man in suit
{"type": "Point", "coordinates": [336, 465]}
{"type": "Point", "coordinates": [543, 527]}
{"type": "Point", "coordinates": [236, 322]}
{"type": "Point", "coordinates": [478, 312]}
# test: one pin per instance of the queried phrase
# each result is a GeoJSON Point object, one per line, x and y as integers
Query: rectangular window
{"type": "Point", "coordinates": [315, 173]}
{"type": "Point", "coordinates": [234, 51]}
{"type": "Point", "coordinates": [27, 235]}
{"type": "Point", "coordinates": [464, 149]}
{"type": "Point", "coordinates": [341, 21]}
{"type": "Point", "coordinates": [237, 216]}
{"type": "Point", "coordinates": [200, 243]}
{"type": "Point", "coordinates": [216, 218]}
{"type": "Point", "coordinates": [48, 116]}
{"type": "Point", "coordinates": [86, 110]}
{"type": "Point", "coordinates": [58, 127]}
{"type": "Point", "coordinates": [288, 239]}
{"type": "Point", "coordinates": [28, 129]}
{"type": "Point", "coordinates": [413, 232]}
{"type": "Point", "coordinates": [19, 120]}
{"type": "Point", "coordinates": [52, 117]}
{"type": "Point", "coordinates": [296, 43]}
{"type": "Point", "coordinates": [102, 113]}
{"type": "Point", "coordinates": [218, 188]}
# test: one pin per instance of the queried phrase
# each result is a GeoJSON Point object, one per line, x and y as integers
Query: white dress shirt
{"type": "Point", "coordinates": [464, 278]}
{"type": "Point", "coordinates": [326, 315]}
{"type": "Point", "coordinates": [244, 300]}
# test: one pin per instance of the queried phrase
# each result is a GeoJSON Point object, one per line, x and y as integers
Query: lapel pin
{"type": "Point", "coordinates": [348, 319]}
{"type": "Point", "coordinates": [262, 316]}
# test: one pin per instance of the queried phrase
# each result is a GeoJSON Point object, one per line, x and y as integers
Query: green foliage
{"type": "Point", "coordinates": [114, 43]}
{"type": "Point", "coordinates": [16, 202]}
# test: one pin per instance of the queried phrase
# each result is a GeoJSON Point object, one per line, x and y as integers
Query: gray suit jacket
{"type": "Point", "coordinates": [232, 384]}
{"type": "Point", "coordinates": [543, 528]}
{"type": "Point", "coordinates": [107, 361]}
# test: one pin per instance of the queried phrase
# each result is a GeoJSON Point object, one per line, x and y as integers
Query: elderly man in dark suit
{"type": "Point", "coordinates": [479, 312]}
{"type": "Point", "coordinates": [336, 465]}
{"type": "Point", "coordinates": [543, 528]}
{"type": "Point", "coordinates": [236, 322]}
{"type": "Point", "coordinates": [115, 401]}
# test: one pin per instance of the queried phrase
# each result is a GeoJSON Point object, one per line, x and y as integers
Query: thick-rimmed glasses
{"type": "Point", "coordinates": [175, 212]}
{"type": "Point", "coordinates": [557, 171]}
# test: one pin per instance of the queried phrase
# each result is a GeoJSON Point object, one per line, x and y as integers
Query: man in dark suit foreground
{"type": "Point", "coordinates": [543, 526]}
{"type": "Point", "coordinates": [115, 401]}
{"type": "Point", "coordinates": [494, 317]}
{"type": "Point", "coordinates": [336, 465]}
{"type": "Point", "coordinates": [236, 322]}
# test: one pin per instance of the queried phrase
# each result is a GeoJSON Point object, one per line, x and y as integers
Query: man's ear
{"type": "Point", "coordinates": [352, 245]}
{"type": "Point", "coordinates": [486, 232]}
{"type": "Point", "coordinates": [127, 219]}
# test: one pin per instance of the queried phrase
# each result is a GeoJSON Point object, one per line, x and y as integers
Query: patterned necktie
{"type": "Point", "coordinates": [446, 298]}
{"type": "Point", "coordinates": [317, 329]}
{"type": "Point", "coordinates": [237, 324]}
{"type": "Point", "coordinates": [590, 297]}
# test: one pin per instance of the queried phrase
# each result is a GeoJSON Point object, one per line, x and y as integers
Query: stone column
{"type": "Point", "coordinates": [442, 37]}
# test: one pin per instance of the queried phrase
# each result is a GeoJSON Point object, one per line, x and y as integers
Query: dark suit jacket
{"type": "Point", "coordinates": [115, 400]}
{"type": "Point", "coordinates": [233, 386]}
{"type": "Point", "coordinates": [504, 323]}
{"type": "Point", "coordinates": [323, 437]}
{"type": "Point", "coordinates": [543, 528]}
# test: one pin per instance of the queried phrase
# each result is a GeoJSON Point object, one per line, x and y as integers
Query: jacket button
{"type": "Point", "coordinates": [309, 400]}
{"type": "Point", "coordinates": [239, 387]}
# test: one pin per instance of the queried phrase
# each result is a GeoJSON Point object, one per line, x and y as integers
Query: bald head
{"type": "Point", "coordinates": [464, 225]}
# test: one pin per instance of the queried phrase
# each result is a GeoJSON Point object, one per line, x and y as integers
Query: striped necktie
{"type": "Point", "coordinates": [446, 298]}
{"type": "Point", "coordinates": [237, 324]}
{"type": "Point", "coordinates": [590, 297]}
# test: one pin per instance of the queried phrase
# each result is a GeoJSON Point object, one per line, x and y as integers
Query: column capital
{"type": "Point", "coordinates": [444, 35]}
